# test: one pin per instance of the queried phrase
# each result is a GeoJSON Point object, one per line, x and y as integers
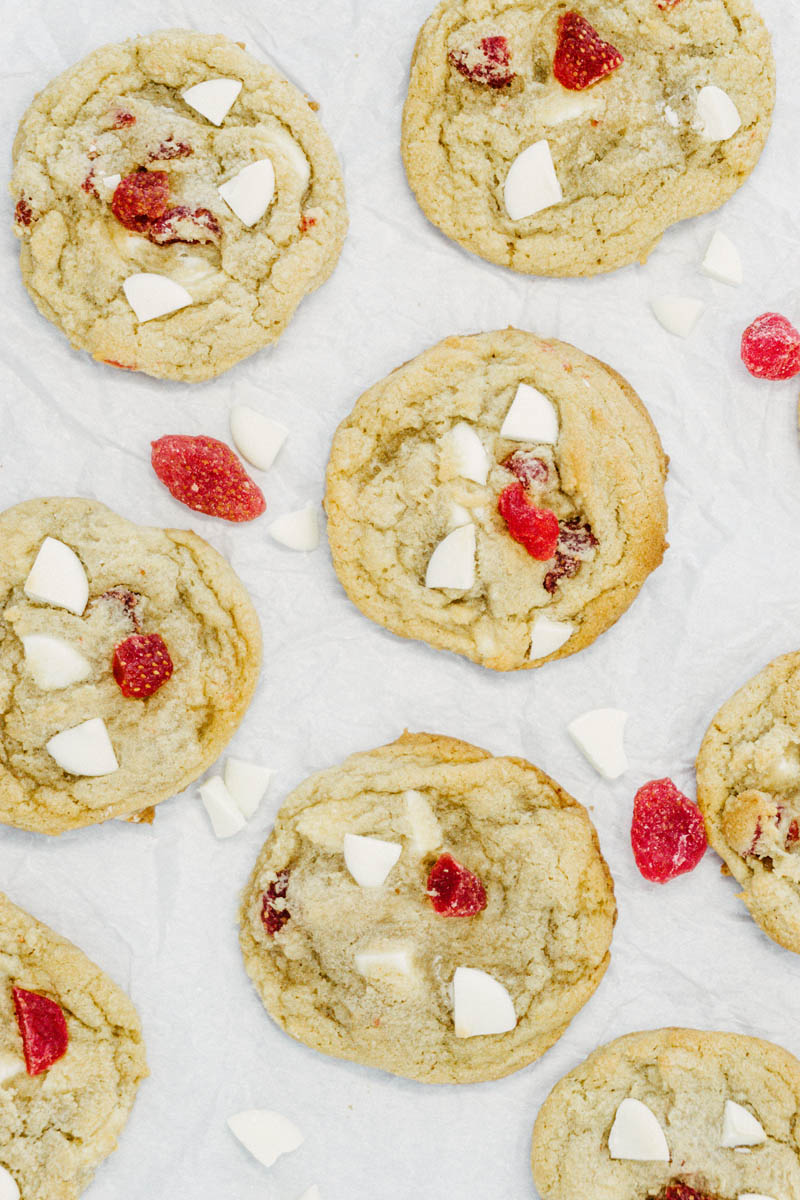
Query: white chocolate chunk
{"type": "Point", "coordinates": [599, 735]}
{"type": "Point", "coordinates": [151, 296]}
{"type": "Point", "coordinates": [223, 812]}
{"type": "Point", "coordinates": [293, 154]}
{"type": "Point", "coordinates": [531, 184]}
{"type": "Point", "coordinates": [426, 832]}
{"type": "Point", "coordinates": [376, 963]}
{"type": "Point", "coordinates": [463, 454]}
{"type": "Point", "coordinates": [85, 749]}
{"type": "Point", "coordinates": [110, 182]}
{"type": "Point", "coordinates": [671, 117]}
{"type": "Point", "coordinates": [8, 1187]}
{"type": "Point", "coordinates": [52, 662]}
{"type": "Point", "coordinates": [740, 1127]}
{"type": "Point", "coordinates": [256, 437]}
{"type": "Point", "coordinates": [458, 516]}
{"type": "Point", "coordinates": [247, 784]}
{"type": "Point", "coordinates": [10, 1065]}
{"type": "Point", "coordinates": [213, 98]}
{"type": "Point", "coordinates": [717, 117]}
{"type": "Point", "coordinates": [249, 193]}
{"type": "Point", "coordinates": [637, 1135]}
{"type": "Point", "coordinates": [564, 106]}
{"type": "Point", "coordinates": [267, 1135]}
{"type": "Point", "coordinates": [57, 577]}
{"type": "Point", "coordinates": [369, 860]}
{"type": "Point", "coordinates": [548, 635]}
{"type": "Point", "coordinates": [678, 314]}
{"type": "Point", "coordinates": [452, 564]}
{"type": "Point", "coordinates": [722, 260]}
{"type": "Point", "coordinates": [531, 417]}
{"type": "Point", "coordinates": [481, 1005]}
{"type": "Point", "coordinates": [297, 530]}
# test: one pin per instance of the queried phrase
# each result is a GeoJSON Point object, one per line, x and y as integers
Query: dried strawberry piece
{"type": "Point", "coordinates": [274, 917]}
{"type": "Point", "coordinates": [88, 185]}
{"type": "Point", "coordinates": [206, 475]}
{"type": "Point", "coordinates": [667, 833]}
{"type": "Point", "coordinates": [489, 62]}
{"type": "Point", "coordinates": [534, 528]}
{"type": "Point", "coordinates": [307, 223]}
{"type": "Point", "coordinates": [532, 472]}
{"type": "Point", "coordinates": [682, 1191]}
{"type": "Point", "coordinates": [455, 891]}
{"type": "Point", "coordinates": [170, 149]}
{"type": "Point", "coordinates": [42, 1028]}
{"type": "Point", "coordinates": [576, 544]}
{"type": "Point", "coordinates": [667, 4]}
{"type": "Point", "coordinates": [183, 224]}
{"type": "Point", "coordinates": [771, 347]}
{"type": "Point", "coordinates": [582, 57]}
{"type": "Point", "coordinates": [23, 213]}
{"type": "Point", "coordinates": [123, 118]}
{"type": "Point", "coordinates": [793, 836]}
{"type": "Point", "coordinates": [141, 198]}
{"type": "Point", "coordinates": [126, 601]}
{"type": "Point", "coordinates": [141, 665]}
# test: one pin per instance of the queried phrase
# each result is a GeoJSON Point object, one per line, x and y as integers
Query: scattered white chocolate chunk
{"type": "Point", "coordinates": [293, 154]}
{"type": "Point", "coordinates": [722, 260]}
{"type": "Point", "coordinates": [10, 1065]}
{"type": "Point", "coordinates": [297, 530]}
{"type": "Point", "coordinates": [548, 635]}
{"type": "Point", "coordinates": [678, 314]}
{"type": "Point", "coordinates": [223, 812]}
{"type": "Point", "coordinates": [561, 106]}
{"type": "Point", "coordinates": [369, 860]}
{"type": "Point", "coordinates": [463, 454]}
{"type": "Point", "coordinates": [375, 963]}
{"type": "Point", "coordinates": [481, 1005]}
{"type": "Point", "coordinates": [531, 184]}
{"type": "Point", "coordinates": [213, 98]}
{"type": "Point", "coordinates": [151, 296]}
{"type": "Point", "coordinates": [426, 832]}
{"type": "Point", "coordinates": [599, 735]}
{"type": "Point", "coordinates": [740, 1127]}
{"type": "Point", "coordinates": [109, 182]}
{"type": "Point", "coordinates": [52, 662]}
{"type": "Point", "coordinates": [85, 749]}
{"type": "Point", "coordinates": [458, 516]}
{"type": "Point", "coordinates": [8, 1186]}
{"type": "Point", "coordinates": [637, 1135]}
{"type": "Point", "coordinates": [256, 437]}
{"type": "Point", "coordinates": [452, 564]}
{"type": "Point", "coordinates": [267, 1135]}
{"type": "Point", "coordinates": [249, 193]}
{"type": "Point", "coordinates": [57, 577]}
{"type": "Point", "coordinates": [671, 117]}
{"type": "Point", "coordinates": [717, 117]}
{"type": "Point", "coordinates": [531, 417]}
{"type": "Point", "coordinates": [247, 784]}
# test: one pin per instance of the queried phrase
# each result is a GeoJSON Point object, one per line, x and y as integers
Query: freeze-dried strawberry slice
{"type": "Point", "coordinates": [455, 891]}
{"type": "Point", "coordinates": [682, 1191]}
{"type": "Point", "coordinates": [489, 62]}
{"type": "Point", "coordinates": [170, 149]}
{"type": "Point", "coordinates": [141, 198]}
{"type": "Point", "coordinates": [125, 602]}
{"type": "Point", "coordinates": [667, 832]}
{"type": "Point", "coordinates": [534, 528]}
{"type": "Point", "coordinates": [274, 916]}
{"type": "Point", "coordinates": [141, 665]}
{"type": "Point", "coordinates": [206, 475]}
{"type": "Point", "coordinates": [532, 472]}
{"type": "Point", "coordinates": [42, 1028]}
{"type": "Point", "coordinates": [771, 347]}
{"type": "Point", "coordinates": [582, 57]}
{"type": "Point", "coordinates": [23, 213]}
{"type": "Point", "coordinates": [184, 224]}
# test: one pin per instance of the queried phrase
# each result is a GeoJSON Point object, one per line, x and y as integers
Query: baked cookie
{"type": "Point", "coordinates": [501, 495]}
{"type": "Point", "coordinates": [175, 200]}
{"type": "Point", "coordinates": [71, 1060]}
{"type": "Point", "coordinates": [748, 789]}
{"type": "Point", "coordinates": [561, 141]}
{"type": "Point", "coordinates": [128, 656]}
{"type": "Point", "coordinates": [429, 909]}
{"type": "Point", "coordinates": [673, 1114]}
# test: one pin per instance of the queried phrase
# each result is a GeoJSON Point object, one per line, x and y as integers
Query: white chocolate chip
{"type": "Point", "coordinates": [293, 154]}
{"type": "Point", "coordinates": [722, 260]}
{"type": "Point", "coordinates": [531, 417]}
{"type": "Point", "coordinates": [563, 106]}
{"type": "Point", "coordinates": [599, 735]}
{"type": "Point", "coordinates": [678, 314]}
{"type": "Point", "coordinates": [213, 98]}
{"type": "Point", "coordinates": [481, 1004]}
{"type": "Point", "coordinates": [369, 860]}
{"type": "Point", "coordinates": [151, 296]}
{"type": "Point", "coordinates": [388, 960]}
{"type": "Point", "coordinates": [8, 1187]}
{"type": "Point", "coordinates": [256, 437]}
{"type": "Point", "coordinates": [717, 116]}
{"type": "Point", "coordinates": [223, 812]}
{"type": "Point", "coordinates": [426, 832]}
{"type": "Point", "coordinates": [110, 182]}
{"type": "Point", "coordinates": [10, 1066]}
{"type": "Point", "coordinates": [85, 749]}
{"type": "Point", "coordinates": [463, 454]}
{"type": "Point", "coordinates": [297, 530]}
{"type": "Point", "coordinates": [637, 1135]}
{"type": "Point", "coordinates": [452, 564]}
{"type": "Point", "coordinates": [57, 577]}
{"type": "Point", "coordinates": [671, 117]}
{"type": "Point", "coordinates": [52, 662]}
{"type": "Point", "coordinates": [247, 784]}
{"type": "Point", "coordinates": [531, 184]}
{"type": "Point", "coordinates": [740, 1127]}
{"type": "Point", "coordinates": [249, 193]}
{"type": "Point", "coordinates": [267, 1135]}
{"type": "Point", "coordinates": [548, 635]}
{"type": "Point", "coordinates": [458, 516]}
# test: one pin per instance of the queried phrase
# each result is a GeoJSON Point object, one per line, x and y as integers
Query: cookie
{"type": "Point", "coordinates": [748, 789]}
{"type": "Point", "coordinates": [673, 1114]}
{"type": "Point", "coordinates": [501, 495]}
{"type": "Point", "coordinates": [128, 656]}
{"type": "Point", "coordinates": [566, 143]}
{"type": "Point", "coordinates": [175, 201]}
{"type": "Point", "coordinates": [71, 1060]}
{"type": "Point", "coordinates": [430, 910]}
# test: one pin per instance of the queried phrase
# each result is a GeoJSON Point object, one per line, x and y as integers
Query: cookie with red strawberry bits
{"type": "Point", "coordinates": [748, 789]}
{"type": "Point", "coordinates": [128, 657]}
{"type": "Point", "coordinates": [430, 910]}
{"type": "Point", "coordinates": [175, 199]}
{"type": "Point", "coordinates": [501, 496]}
{"type": "Point", "coordinates": [564, 139]}
{"type": "Point", "coordinates": [71, 1061]}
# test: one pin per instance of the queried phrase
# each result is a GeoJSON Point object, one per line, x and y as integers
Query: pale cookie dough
{"type": "Point", "coordinates": [748, 788]}
{"type": "Point", "coordinates": [56, 1127]}
{"type": "Point", "coordinates": [544, 934]}
{"type": "Point", "coordinates": [627, 152]}
{"type": "Point", "coordinates": [121, 110]}
{"type": "Point", "coordinates": [684, 1077]}
{"type": "Point", "coordinates": [167, 582]}
{"type": "Point", "coordinates": [392, 487]}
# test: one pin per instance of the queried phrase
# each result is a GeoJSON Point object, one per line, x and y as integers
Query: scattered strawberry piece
{"type": "Point", "coordinates": [793, 836]}
{"type": "Point", "coordinates": [582, 57]}
{"type": "Point", "coordinates": [455, 891]}
{"type": "Point", "coordinates": [667, 4]}
{"type": "Point", "coordinates": [23, 213]}
{"type": "Point", "coordinates": [170, 149]}
{"type": "Point", "coordinates": [532, 472]}
{"type": "Point", "coordinates": [42, 1028]}
{"type": "Point", "coordinates": [125, 601]}
{"type": "Point", "coordinates": [122, 118]}
{"type": "Point", "coordinates": [534, 528]}
{"type": "Point", "coordinates": [667, 832]}
{"type": "Point", "coordinates": [111, 362]}
{"type": "Point", "coordinates": [141, 665]}
{"type": "Point", "coordinates": [88, 185]}
{"type": "Point", "coordinates": [682, 1191]}
{"type": "Point", "coordinates": [576, 544]}
{"type": "Point", "coordinates": [771, 347]}
{"type": "Point", "coordinates": [307, 223]}
{"type": "Point", "coordinates": [206, 475]}
{"type": "Point", "coordinates": [489, 62]}
{"type": "Point", "coordinates": [183, 224]}
{"type": "Point", "coordinates": [274, 917]}
{"type": "Point", "coordinates": [140, 198]}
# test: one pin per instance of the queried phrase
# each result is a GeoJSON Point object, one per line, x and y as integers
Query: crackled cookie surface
{"type": "Point", "coordinates": [564, 140]}
{"type": "Point", "coordinates": [128, 656]}
{"type": "Point", "coordinates": [673, 1114]}
{"type": "Point", "coordinates": [748, 788]}
{"type": "Point", "coordinates": [429, 909]}
{"type": "Point", "coordinates": [501, 496]}
{"type": "Point", "coordinates": [71, 1060]}
{"type": "Point", "coordinates": [175, 200]}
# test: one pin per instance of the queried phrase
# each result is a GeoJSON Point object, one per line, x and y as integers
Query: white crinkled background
{"type": "Point", "coordinates": [157, 906]}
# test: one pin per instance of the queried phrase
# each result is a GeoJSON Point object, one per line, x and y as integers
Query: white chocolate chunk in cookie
{"type": "Point", "coordinates": [224, 814]}
{"type": "Point", "coordinates": [548, 635]}
{"type": "Point", "coordinates": [294, 155]}
{"type": "Point", "coordinates": [247, 784]}
{"type": "Point", "coordinates": [678, 314]}
{"type": "Point", "coordinates": [298, 530]}
{"type": "Point", "coordinates": [531, 184]}
{"type": "Point", "coordinates": [151, 296]}
{"type": "Point", "coordinates": [463, 455]}
{"type": "Point", "coordinates": [256, 437]}
{"type": "Point", "coordinates": [213, 98]}
{"type": "Point", "coordinates": [250, 192]}
{"type": "Point", "coordinates": [57, 577]}
{"type": "Point", "coordinates": [457, 516]}
{"type": "Point", "coordinates": [636, 1134]}
{"type": "Point", "coordinates": [599, 735]}
{"type": "Point", "coordinates": [369, 860]}
{"type": "Point", "coordinates": [481, 1004]}
{"type": "Point", "coordinates": [426, 832]}
{"type": "Point", "coordinates": [267, 1135]}
{"type": "Point", "coordinates": [8, 1187]}
{"type": "Point", "coordinates": [388, 960]}
{"type": "Point", "coordinates": [452, 564]}
{"type": "Point", "coordinates": [561, 106]}
{"type": "Point", "coordinates": [10, 1065]}
{"type": "Point", "coordinates": [85, 749]}
{"type": "Point", "coordinates": [531, 417]}
{"type": "Point", "coordinates": [52, 662]}
{"type": "Point", "coordinates": [740, 1127]}
{"type": "Point", "coordinates": [722, 260]}
{"type": "Point", "coordinates": [717, 117]}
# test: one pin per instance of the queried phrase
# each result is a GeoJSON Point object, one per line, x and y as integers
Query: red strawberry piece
{"type": "Point", "coordinates": [793, 836]}
{"type": "Point", "coordinates": [171, 149]}
{"type": "Point", "coordinates": [88, 185]}
{"type": "Point", "coordinates": [141, 198]}
{"type": "Point", "coordinates": [576, 544]}
{"type": "Point", "coordinates": [206, 475]}
{"type": "Point", "coordinates": [125, 601]}
{"type": "Point", "coordinates": [534, 528]}
{"type": "Point", "coordinates": [455, 891]}
{"type": "Point", "coordinates": [667, 4]}
{"type": "Point", "coordinates": [582, 57]}
{"type": "Point", "coordinates": [183, 224]}
{"type": "Point", "coordinates": [667, 833]}
{"type": "Point", "coordinates": [307, 223]}
{"type": "Point", "coordinates": [141, 665]}
{"type": "Point", "coordinates": [489, 62]}
{"type": "Point", "coordinates": [23, 213]}
{"type": "Point", "coordinates": [682, 1191]}
{"type": "Point", "coordinates": [771, 347]}
{"type": "Point", "coordinates": [532, 472]}
{"type": "Point", "coordinates": [123, 118]}
{"type": "Point", "coordinates": [275, 915]}
{"type": "Point", "coordinates": [42, 1028]}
